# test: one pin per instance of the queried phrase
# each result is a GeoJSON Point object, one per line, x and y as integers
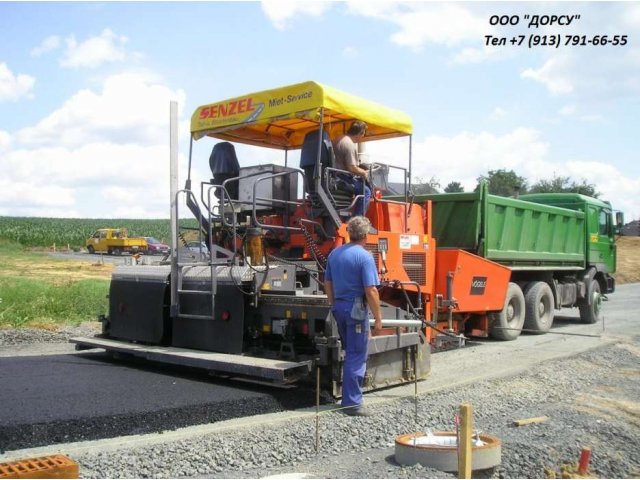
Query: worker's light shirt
{"type": "Point", "coordinates": [351, 268]}
{"type": "Point", "coordinates": [346, 152]}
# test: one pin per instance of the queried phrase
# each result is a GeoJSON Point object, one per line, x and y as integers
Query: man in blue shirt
{"type": "Point", "coordinates": [352, 275]}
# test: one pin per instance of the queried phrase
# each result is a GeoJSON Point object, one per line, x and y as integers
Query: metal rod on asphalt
{"type": "Point", "coordinates": [317, 409]}
{"type": "Point", "coordinates": [415, 381]}
{"type": "Point", "coordinates": [553, 333]}
{"type": "Point", "coordinates": [393, 322]}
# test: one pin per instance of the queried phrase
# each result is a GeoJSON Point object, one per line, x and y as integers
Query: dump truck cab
{"type": "Point", "coordinates": [599, 230]}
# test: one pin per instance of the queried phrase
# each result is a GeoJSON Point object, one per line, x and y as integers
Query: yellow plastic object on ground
{"type": "Point", "coordinates": [280, 118]}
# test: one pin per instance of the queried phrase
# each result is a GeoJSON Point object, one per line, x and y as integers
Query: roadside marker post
{"type": "Point", "coordinates": [464, 441]}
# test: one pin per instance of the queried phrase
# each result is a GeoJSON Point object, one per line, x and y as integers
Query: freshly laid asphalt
{"type": "Point", "coordinates": [87, 396]}
{"type": "Point", "coordinates": [59, 399]}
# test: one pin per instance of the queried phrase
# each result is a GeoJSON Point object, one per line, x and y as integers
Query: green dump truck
{"type": "Point", "coordinates": [560, 248]}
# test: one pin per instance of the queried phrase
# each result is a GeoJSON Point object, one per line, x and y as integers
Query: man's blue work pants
{"type": "Point", "coordinates": [363, 203]}
{"type": "Point", "coordinates": [359, 188]}
{"type": "Point", "coordinates": [354, 335]}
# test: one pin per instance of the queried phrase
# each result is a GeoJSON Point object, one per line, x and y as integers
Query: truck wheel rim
{"type": "Point", "coordinates": [544, 310]}
{"type": "Point", "coordinates": [597, 303]}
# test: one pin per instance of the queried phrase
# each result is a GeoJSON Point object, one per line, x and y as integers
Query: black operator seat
{"type": "Point", "coordinates": [224, 165]}
{"type": "Point", "coordinates": [341, 194]}
{"type": "Point", "coordinates": [309, 154]}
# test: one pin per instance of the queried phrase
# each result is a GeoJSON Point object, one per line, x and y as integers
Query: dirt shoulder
{"type": "Point", "coordinates": [628, 270]}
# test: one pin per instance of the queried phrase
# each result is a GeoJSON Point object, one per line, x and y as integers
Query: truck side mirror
{"type": "Point", "coordinates": [619, 222]}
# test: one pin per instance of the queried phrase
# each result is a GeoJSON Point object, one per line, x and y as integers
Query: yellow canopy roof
{"type": "Point", "coordinates": [281, 117]}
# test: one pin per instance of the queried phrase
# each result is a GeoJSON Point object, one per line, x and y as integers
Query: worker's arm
{"type": "Point", "coordinates": [356, 170]}
{"type": "Point", "coordinates": [373, 300]}
{"type": "Point", "coordinates": [328, 289]}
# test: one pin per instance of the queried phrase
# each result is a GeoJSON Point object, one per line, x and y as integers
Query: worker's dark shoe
{"type": "Point", "coordinates": [357, 412]}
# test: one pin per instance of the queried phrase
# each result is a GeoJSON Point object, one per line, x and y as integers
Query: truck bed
{"type": "Point", "coordinates": [517, 233]}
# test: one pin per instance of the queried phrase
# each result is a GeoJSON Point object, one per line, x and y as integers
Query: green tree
{"type": "Point", "coordinates": [559, 184]}
{"type": "Point", "coordinates": [454, 187]}
{"type": "Point", "coordinates": [505, 183]}
{"type": "Point", "coordinates": [420, 186]}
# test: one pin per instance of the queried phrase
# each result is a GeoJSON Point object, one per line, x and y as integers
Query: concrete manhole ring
{"type": "Point", "coordinates": [439, 450]}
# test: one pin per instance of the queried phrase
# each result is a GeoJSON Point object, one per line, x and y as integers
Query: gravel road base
{"type": "Point", "coordinates": [591, 400]}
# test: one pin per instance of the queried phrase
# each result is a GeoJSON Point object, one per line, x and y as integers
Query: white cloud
{"type": "Point", "coordinates": [93, 52]}
{"type": "Point", "coordinates": [95, 179]}
{"type": "Point", "coordinates": [350, 52]}
{"type": "Point", "coordinates": [25, 198]}
{"type": "Point", "coordinates": [420, 23]}
{"type": "Point", "coordinates": [568, 110]}
{"type": "Point", "coordinates": [591, 74]}
{"type": "Point", "coordinates": [555, 74]}
{"type": "Point", "coordinates": [141, 201]}
{"type": "Point", "coordinates": [594, 72]}
{"type": "Point", "coordinates": [281, 13]}
{"type": "Point", "coordinates": [129, 108]}
{"type": "Point", "coordinates": [478, 55]}
{"type": "Point", "coordinates": [13, 87]}
{"type": "Point", "coordinates": [48, 44]}
{"type": "Point", "coordinates": [616, 186]}
{"type": "Point", "coordinates": [93, 164]}
{"type": "Point", "coordinates": [573, 111]}
{"type": "Point", "coordinates": [631, 15]}
{"type": "Point", "coordinates": [467, 155]}
{"type": "Point", "coordinates": [101, 154]}
{"type": "Point", "coordinates": [593, 118]}
{"type": "Point", "coordinates": [5, 140]}
{"type": "Point", "coordinates": [498, 113]}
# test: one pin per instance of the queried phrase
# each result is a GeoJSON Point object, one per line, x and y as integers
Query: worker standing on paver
{"type": "Point", "coordinates": [350, 283]}
{"type": "Point", "coordinates": [346, 152]}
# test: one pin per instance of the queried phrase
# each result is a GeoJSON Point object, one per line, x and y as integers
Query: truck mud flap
{"type": "Point", "coordinates": [268, 370]}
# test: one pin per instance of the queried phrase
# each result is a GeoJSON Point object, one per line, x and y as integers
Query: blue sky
{"type": "Point", "coordinates": [85, 89]}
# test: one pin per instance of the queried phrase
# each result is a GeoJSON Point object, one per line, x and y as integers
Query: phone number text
{"type": "Point", "coordinates": [556, 41]}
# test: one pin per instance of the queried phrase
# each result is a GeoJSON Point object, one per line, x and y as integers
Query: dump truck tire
{"type": "Point", "coordinates": [539, 308]}
{"type": "Point", "coordinates": [507, 323]}
{"type": "Point", "coordinates": [91, 250]}
{"type": "Point", "coordinates": [592, 312]}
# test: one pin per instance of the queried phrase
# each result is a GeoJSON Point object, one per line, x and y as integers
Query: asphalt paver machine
{"type": "Point", "coordinates": [251, 303]}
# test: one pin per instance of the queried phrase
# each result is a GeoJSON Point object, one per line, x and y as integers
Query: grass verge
{"type": "Point", "coordinates": [29, 302]}
{"type": "Point", "coordinates": [37, 291]}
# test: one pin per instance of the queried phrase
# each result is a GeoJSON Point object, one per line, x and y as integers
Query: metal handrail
{"type": "Point", "coordinates": [188, 193]}
{"type": "Point", "coordinates": [176, 265]}
{"type": "Point", "coordinates": [326, 181]}
{"type": "Point", "coordinates": [407, 209]}
{"type": "Point", "coordinates": [269, 177]}
{"type": "Point", "coordinates": [221, 205]}
{"type": "Point", "coordinates": [316, 225]}
{"type": "Point", "coordinates": [371, 165]}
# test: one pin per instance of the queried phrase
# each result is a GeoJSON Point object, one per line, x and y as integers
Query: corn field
{"type": "Point", "coordinates": [46, 232]}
